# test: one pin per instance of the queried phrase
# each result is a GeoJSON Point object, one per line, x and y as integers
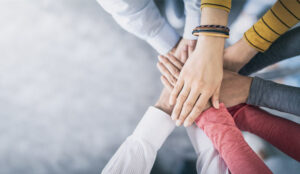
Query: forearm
{"type": "Point", "coordinates": [285, 47]}
{"type": "Point", "coordinates": [192, 18]}
{"type": "Point", "coordinates": [275, 96]}
{"type": "Point", "coordinates": [212, 16]}
{"type": "Point", "coordinates": [137, 154]}
{"type": "Point", "coordinates": [228, 140]}
{"type": "Point", "coordinates": [208, 159]}
{"type": "Point", "coordinates": [280, 132]}
{"type": "Point", "coordinates": [279, 19]}
{"type": "Point", "coordinates": [142, 18]}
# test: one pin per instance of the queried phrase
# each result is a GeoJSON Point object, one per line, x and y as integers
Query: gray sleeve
{"type": "Point", "coordinates": [276, 96]}
{"type": "Point", "coordinates": [286, 46]}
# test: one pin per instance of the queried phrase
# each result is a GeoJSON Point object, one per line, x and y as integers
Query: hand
{"type": "Point", "coordinates": [234, 89]}
{"type": "Point", "coordinates": [199, 80]}
{"type": "Point", "coordinates": [238, 55]}
{"type": "Point", "coordinates": [163, 102]}
{"type": "Point", "coordinates": [183, 49]}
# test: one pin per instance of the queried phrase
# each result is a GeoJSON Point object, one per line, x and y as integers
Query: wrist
{"type": "Point", "coordinates": [165, 107]}
{"type": "Point", "coordinates": [247, 50]}
{"type": "Point", "coordinates": [246, 88]}
{"type": "Point", "coordinates": [214, 16]}
{"type": "Point", "coordinates": [212, 44]}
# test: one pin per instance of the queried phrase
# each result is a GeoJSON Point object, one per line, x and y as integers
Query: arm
{"type": "Point", "coordinates": [280, 18]}
{"type": "Point", "coordinates": [208, 159]}
{"type": "Point", "coordinates": [272, 95]}
{"type": "Point", "coordinates": [142, 18]}
{"type": "Point", "coordinates": [282, 133]}
{"type": "Point", "coordinates": [192, 18]}
{"type": "Point", "coordinates": [219, 126]}
{"type": "Point", "coordinates": [285, 47]}
{"type": "Point", "coordinates": [203, 71]}
{"type": "Point", "coordinates": [137, 154]}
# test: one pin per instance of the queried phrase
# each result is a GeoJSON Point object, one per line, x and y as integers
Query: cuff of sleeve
{"type": "Point", "coordinates": [256, 91]}
{"type": "Point", "coordinates": [192, 21]}
{"type": "Point", "coordinates": [220, 4]}
{"type": "Point", "coordinates": [154, 127]}
{"type": "Point", "coordinates": [255, 41]}
{"type": "Point", "coordinates": [165, 40]}
{"type": "Point", "coordinates": [218, 7]}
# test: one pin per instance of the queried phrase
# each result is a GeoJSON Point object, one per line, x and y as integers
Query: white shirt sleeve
{"type": "Point", "coordinates": [209, 160]}
{"type": "Point", "coordinates": [137, 154]}
{"type": "Point", "coordinates": [143, 19]}
{"type": "Point", "coordinates": [192, 18]}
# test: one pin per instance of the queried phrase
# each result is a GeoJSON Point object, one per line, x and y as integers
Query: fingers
{"type": "Point", "coordinates": [175, 92]}
{"type": "Point", "coordinates": [188, 106]}
{"type": "Point", "coordinates": [172, 69]}
{"type": "Point", "coordinates": [197, 110]}
{"type": "Point", "coordinates": [179, 102]}
{"type": "Point", "coordinates": [176, 62]}
{"type": "Point", "coordinates": [215, 98]}
{"type": "Point", "coordinates": [184, 53]}
{"type": "Point", "coordinates": [166, 83]}
{"type": "Point", "coordinates": [165, 72]}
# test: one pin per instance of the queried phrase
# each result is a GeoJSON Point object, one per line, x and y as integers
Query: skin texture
{"type": "Point", "coordinates": [238, 55]}
{"type": "Point", "coordinates": [162, 103]}
{"type": "Point", "coordinates": [183, 49]}
{"type": "Point", "coordinates": [201, 77]}
{"type": "Point", "coordinates": [234, 89]}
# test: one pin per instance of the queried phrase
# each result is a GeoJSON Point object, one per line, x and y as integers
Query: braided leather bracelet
{"type": "Point", "coordinates": [211, 30]}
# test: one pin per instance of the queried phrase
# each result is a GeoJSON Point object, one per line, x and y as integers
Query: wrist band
{"type": "Point", "coordinates": [225, 28]}
{"type": "Point", "coordinates": [211, 30]}
{"type": "Point", "coordinates": [212, 34]}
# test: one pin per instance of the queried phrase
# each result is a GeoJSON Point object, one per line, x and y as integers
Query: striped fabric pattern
{"type": "Point", "coordinates": [220, 4]}
{"type": "Point", "coordinates": [280, 18]}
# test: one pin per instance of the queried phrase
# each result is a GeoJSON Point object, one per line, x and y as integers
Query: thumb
{"type": "Point", "coordinates": [215, 98]}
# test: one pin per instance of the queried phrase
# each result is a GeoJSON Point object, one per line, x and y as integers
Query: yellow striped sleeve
{"type": "Point", "coordinates": [280, 18]}
{"type": "Point", "coordinates": [220, 4]}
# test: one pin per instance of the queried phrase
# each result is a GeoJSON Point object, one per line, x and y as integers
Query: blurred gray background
{"type": "Point", "coordinates": [73, 86]}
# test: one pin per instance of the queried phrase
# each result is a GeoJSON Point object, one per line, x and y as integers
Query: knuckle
{"type": "Point", "coordinates": [173, 80]}
{"type": "Point", "coordinates": [182, 97]}
{"type": "Point", "coordinates": [197, 111]}
{"type": "Point", "coordinates": [182, 116]}
{"type": "Point", "coordinates": [188, 105]}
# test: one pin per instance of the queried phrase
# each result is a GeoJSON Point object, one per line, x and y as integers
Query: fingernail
{"type": "Point", "coordinates": [186, 124]}
{"type": "Point", "coordinates": [178, 123]}
{"type": "Point", "coordinates": [217, 105]}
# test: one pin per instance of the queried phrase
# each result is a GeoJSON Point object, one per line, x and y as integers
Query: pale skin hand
{"type": "Point", "coordinates": [234, 90]}
{"type": "Point", "coordinates": [238, 55]}
{"type": "Point", "coordinates": [183, 49]}
{"type": "Point", "coordinates": [201, 77]}
{"type": "Point", "coordinates": [162, 103]}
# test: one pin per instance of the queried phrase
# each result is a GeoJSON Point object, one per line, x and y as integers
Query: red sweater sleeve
{"type": "Point", "coordinates": [280, 132]}
{"type": "Point", "coordinates": [219, 126]}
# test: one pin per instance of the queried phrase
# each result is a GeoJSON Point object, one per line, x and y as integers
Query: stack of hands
{"type": "Point", "coordinates": [192, 75]}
